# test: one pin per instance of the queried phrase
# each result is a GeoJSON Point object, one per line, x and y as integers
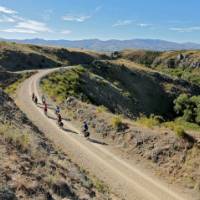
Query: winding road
{"type": "Point", "coordinates": [124, 178]}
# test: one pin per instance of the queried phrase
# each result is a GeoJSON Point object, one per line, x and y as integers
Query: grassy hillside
{"type": "Point", "coordinates": [180, 64]}
{"type": "Point", "coordinates": [7, 78]}
{"type": "Point", "coordinates": [15, 57]}
{"type": "Point", "coordinates": [173, 155]}
{"type": "Point", "coordinates": [123, 90]}
{"type": "Point", "coordinates": [10, 82]}
{"type": "Point", "coordinates": [33, 168]}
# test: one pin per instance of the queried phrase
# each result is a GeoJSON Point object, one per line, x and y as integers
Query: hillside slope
{"type": "Point", "coordinates": [15, 57]}
{"type": "Point", "coordinates": [7, 78]}
{"type": "Point", "coordinates": [123, 90]}
{"type": "Point", "coordinates": [181, 64]}
{"type": "Point", "coordinates": [32, 167]}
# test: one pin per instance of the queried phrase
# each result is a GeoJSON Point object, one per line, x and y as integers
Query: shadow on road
{"type": "Point", "coordinates": [97, 142]}
{"type": "Point", "coordinates": [66, 119]}
{"type": "Point", "coordinates": [50, 117]}
{"type": "Point", "coordinates": [40, 105]}
{"type": "Point", "coordinates": [68, 130]}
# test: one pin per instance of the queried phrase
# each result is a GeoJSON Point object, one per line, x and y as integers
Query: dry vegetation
{"type": "Point", "coordinates": [179, 64]}
{"type": "Point", "coordinates": [15, 57]}
{"type": "Point", "coordinates": [33, 168]}
{"type": "Point", "coordinates": [173, 155]}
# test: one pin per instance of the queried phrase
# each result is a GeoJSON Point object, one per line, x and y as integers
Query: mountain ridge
{"type": "Point", "coordinates": [112, 44]}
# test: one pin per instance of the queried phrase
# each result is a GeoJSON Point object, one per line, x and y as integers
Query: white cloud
{"type": "Point", "coordinates": [22, 25]}
{"type": "Point", "coordinates": [7, 19]}
{"type": "Point", "coordinates": [144, 25]}
{"type": "Point", "coordinates": [66, 32]}
{"type": "Point", "coordinates": [7, 10]}
{"type": "Point", "coordinates": [32, 25]}
{"type": "Point", "coordinates": [18, 30]}
{"type": "Point", "coordinates": [122, 23]}
{"type": "Point", "coordinates": [76, 18]}
{"type": "Point", "coordinates": [186, 30]}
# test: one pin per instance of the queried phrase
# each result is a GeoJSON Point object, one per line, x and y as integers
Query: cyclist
{"type": "Point", "coordinates": [43, 100]}
{"type": "Point", "coordinates": [57, 110]}
{"type": "Point", "coordinates": [86, 132]}
{"type": "Point", "coordinates": [85, 126]}
{"type": "Point", "coordinates": [45, 109]}
{"type": "Point", "coordinates": [60, 123]}
{"type": "Point", "coordinates": [33, 97]}
{"type": "Point", "coordinates": [36, 100]}
{"type": "Point", "coordinates": [59, 118]}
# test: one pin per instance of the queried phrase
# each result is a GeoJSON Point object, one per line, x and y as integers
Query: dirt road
{"type": "Point", "coordinates": [123, 178]}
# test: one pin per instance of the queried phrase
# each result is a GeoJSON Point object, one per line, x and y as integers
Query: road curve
{"type": "Point", "coordinates": [123, 178]}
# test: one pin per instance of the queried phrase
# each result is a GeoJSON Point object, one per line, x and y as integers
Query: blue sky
{"type": "Point", "coordinates": [174, 20]}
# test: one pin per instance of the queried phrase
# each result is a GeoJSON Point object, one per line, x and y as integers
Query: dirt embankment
{"type": "Point", "coordinates": [7, 78]}
{"type": "Point", "coordinates": [122, 89]}
{"type": "Point", "coordinates": [33, 168]}
{"type": "Point", "coordinates": [174, 158]}
{"type": "Point", "coordinates": [170, 59]}
{"type": "Point", "coordinates": [183, 64]}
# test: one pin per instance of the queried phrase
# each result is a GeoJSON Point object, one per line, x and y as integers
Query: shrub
{"type": "Point", "coordinates": [19, 139]}
{"type": "Point", "coordinates": [180, 132]}
{"type": "Point", "coordinates": [63, 84]}
{"type": "Point", "coordinates": [151, 121]}
{"type": "Point", "coordinates": [188, 108]}
{"type": "Point", "coordinates": [117, 122]}
{"type": "Point", "coordinates": [181, 103]}
{"type": "Point", "coordinates": [180, 122]}
{"type": "Point", "coordinates": [188, 115]}
{"type": "Point", "coordinates": [101, 109]}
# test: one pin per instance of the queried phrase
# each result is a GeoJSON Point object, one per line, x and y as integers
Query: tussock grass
{"type": "Point", "coordinates": [179, 122]}
{"type": "Point", "coordinates": [180, 132]}
{"type": "Point", "coordinates": [102, 109]}
{"type": "Point", "coordinates": [117, 122]}
{"type": "Point", "coordinates": [19, 138]}
{"type": "Point", "coordinates": [100, 186]}
{"type": "Point", "coordinates": [149, 122]}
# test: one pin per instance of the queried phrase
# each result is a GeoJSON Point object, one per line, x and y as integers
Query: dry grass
{"type": "Point", "coordinates": [11, 89]}
{"type": "Point", "coordinates": [101, 109]}
{"type": "Point", "coordinates": [19, 138]}
{"type": "Point", "coordinates": [117, 122]}
{"type": "Point", "coordinates": [150, 122]}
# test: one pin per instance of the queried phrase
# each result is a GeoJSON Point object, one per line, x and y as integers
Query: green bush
{"type": "Point", "coordinates": [62, 84]}
{"type": "Point", "coordinates": [180, 132]}
{"type": "Point", "coordinates": [188, 108]}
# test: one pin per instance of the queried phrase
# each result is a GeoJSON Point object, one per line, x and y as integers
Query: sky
{"type": "Point", "coordinates": [172, 20]}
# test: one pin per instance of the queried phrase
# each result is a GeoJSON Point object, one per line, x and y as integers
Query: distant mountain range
{"type": "Point", "coordinates": [112, 45]}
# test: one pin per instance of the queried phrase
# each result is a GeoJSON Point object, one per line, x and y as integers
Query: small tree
{"type": "Point", "coordinates": [181, 103]}
{"type": "Point", "coordinates": [188, 108]}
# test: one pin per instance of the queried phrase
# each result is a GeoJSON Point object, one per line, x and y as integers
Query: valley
{"type": "Point", "coordinates": [137, 106]}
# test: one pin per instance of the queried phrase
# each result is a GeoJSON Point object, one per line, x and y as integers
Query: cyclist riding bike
{"type": "Point", "coordinates": [59, 118]}
{"type": "Point", "coordinates": [60, 123]}
{"type": "Point", "coordinates": [36, 100]}
{"type": "Point", "coordinates": [43, 99]}
{"type": "Point", "coordinates": [85, 127]}
{"type": "Point", "coordinates": [86, 132]}
{"type": "Point", "coordinates": [57, 110]}
{"type": "Point", "coordinates": [33, 97]}
{"type": "Point", "coordinates": [45, 109]}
